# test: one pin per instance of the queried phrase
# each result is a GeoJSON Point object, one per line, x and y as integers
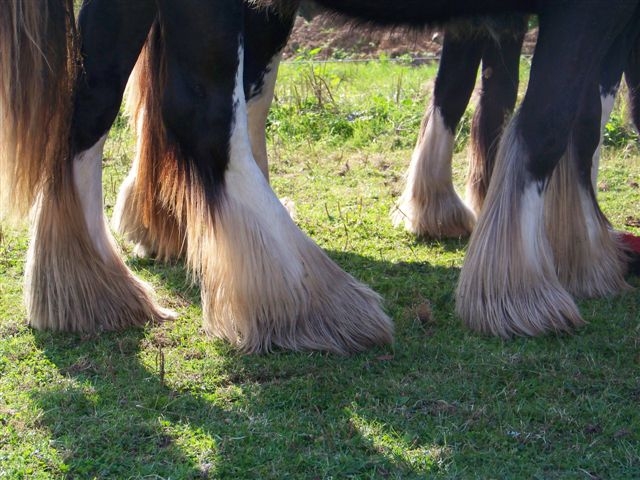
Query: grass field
{"type": "Point", "coordinates": [166, 402]}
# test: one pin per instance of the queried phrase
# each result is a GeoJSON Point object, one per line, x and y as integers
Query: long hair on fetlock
{"type": "Point", "coordinates": [149, 211]}
{"type": "Point", "coordinates": [590, 260]}
{"type": "Point", "coordinates": [37, 53]}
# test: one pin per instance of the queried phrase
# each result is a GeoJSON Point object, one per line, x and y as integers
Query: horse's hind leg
{"type": "Point", "coordinates": [266, 34]}
{"type": "Point", "coordinates": [588, 260]}
{"type": "Point", "coordinates": [264, 283]}
{"type": "Point", "coordinates": [632, 78]}
{"type": "Point", "coordinates": [429, 205]}
{"type": "Point", "coordinates": [75, 277]}
{"type": "Point", "coordinates": [508, 284]}
{"type": "Point", "coordinates": [589, 257]}
{"type": "Point", "coordinates": [500, 67]}
{"type": "Point", "coordinates": [140, 213]}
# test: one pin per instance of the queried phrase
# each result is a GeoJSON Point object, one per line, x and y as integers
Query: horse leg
{"type": "Point", "coordinates": [508, 283]}
{"type": "Point", "coordinates": [140, 214]}
{"type": "Point", "coordinates": [619, 60]}
{"type": "Point", "coordinates": [632, 77]}
{"type": "Point", "coordinates": [589, 260]}
{"type": "Point", "coordinates": [429, 205]}
{"type": "Point", "coordinates": [589, 255]}
{"type": "Point", "coordinates": [608, 92]}
{"type": "Point", "coordinates": [266, 35]}
{"type": "Point", "coordinates": [75, 277]}
{"type": "Point", "coordinates": [500, 66]}
{"type": "Point", "coordinates": [264, 283]}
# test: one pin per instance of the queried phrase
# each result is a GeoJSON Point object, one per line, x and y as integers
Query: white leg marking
{"type": "Point", "coordinates": [532, 221]}
{"type": "Point", "coordinates": [434, 150]}
{"type": "Point", "coordinates": [257, 111]}
{"type": "Point", "coordinates": [265, 283]}
{"type": "Point", "coordinates": [249, 187]}
{"type": "Point", "coordinates": [87, 177]}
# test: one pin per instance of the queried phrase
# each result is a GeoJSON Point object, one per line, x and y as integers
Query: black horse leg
{"type": "Point", "coordinates": [429, 205]}
{"type": "Point", "coordinates": [500, 67]}
{"type": "Point", "coordinates": [588, 254]}
{"type": "Point", "coordinates": [140, 213]}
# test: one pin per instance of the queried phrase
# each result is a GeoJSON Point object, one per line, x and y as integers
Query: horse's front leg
{"type": "Point", "coordinates": [429, 205]}
{"type": "Point", "coordinates": [75, 277]}
{"type": "Point", "coordinates": [264, 283]}
{"type": "Point", "coordinates": [140, 213]}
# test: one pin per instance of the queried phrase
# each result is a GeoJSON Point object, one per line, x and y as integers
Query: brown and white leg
{"type": "Point", "coordinates": [140, 214]}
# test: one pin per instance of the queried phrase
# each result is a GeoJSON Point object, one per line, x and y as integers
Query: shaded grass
{"type": "Point", "coordinates": [168, 402]}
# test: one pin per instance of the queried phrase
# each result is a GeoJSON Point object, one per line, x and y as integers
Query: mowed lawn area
{"type": "Point", "coordinates": [167, 402]}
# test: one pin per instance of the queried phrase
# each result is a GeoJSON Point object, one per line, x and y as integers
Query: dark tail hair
{"type": "Point", "coordinates": [152, 214]}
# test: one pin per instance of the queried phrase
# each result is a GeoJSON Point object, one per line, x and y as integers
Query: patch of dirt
{"type": "Point", "coordinates": [337, 40]}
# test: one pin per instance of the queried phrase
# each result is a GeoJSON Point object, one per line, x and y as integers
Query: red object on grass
{"type": "Point", "coordinates": [631, 242]}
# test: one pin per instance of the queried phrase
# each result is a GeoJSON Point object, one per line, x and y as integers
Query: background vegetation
{"type": "Point", "coordinates": [167, 402]}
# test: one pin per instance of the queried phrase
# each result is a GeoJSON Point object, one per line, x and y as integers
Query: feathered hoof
{"type": "Point", "coordinates": [306, 304]}
{"type": "Point", "coordinates": [439, 213]}
{"type": "Point", "coordinates": [599, 271]}
{"type": "Point", "coordinates": [530, 311]}
{"type": "Point", "coordinates": [71, 286]}
{"type": "Point", "coordinates": [589, 257]}
{"type": "Point", "coordinates": [265, 285]}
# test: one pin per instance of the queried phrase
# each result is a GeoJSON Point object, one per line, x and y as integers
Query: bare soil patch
{"type": "Point", "coordinates": [337, 40]}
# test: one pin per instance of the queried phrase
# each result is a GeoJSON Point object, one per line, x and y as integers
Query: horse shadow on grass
{"type": "Point", "coordinates": [121, 410]}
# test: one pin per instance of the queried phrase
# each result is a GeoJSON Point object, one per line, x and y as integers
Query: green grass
{"type": "Point", "coordinates": [167, 402]}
